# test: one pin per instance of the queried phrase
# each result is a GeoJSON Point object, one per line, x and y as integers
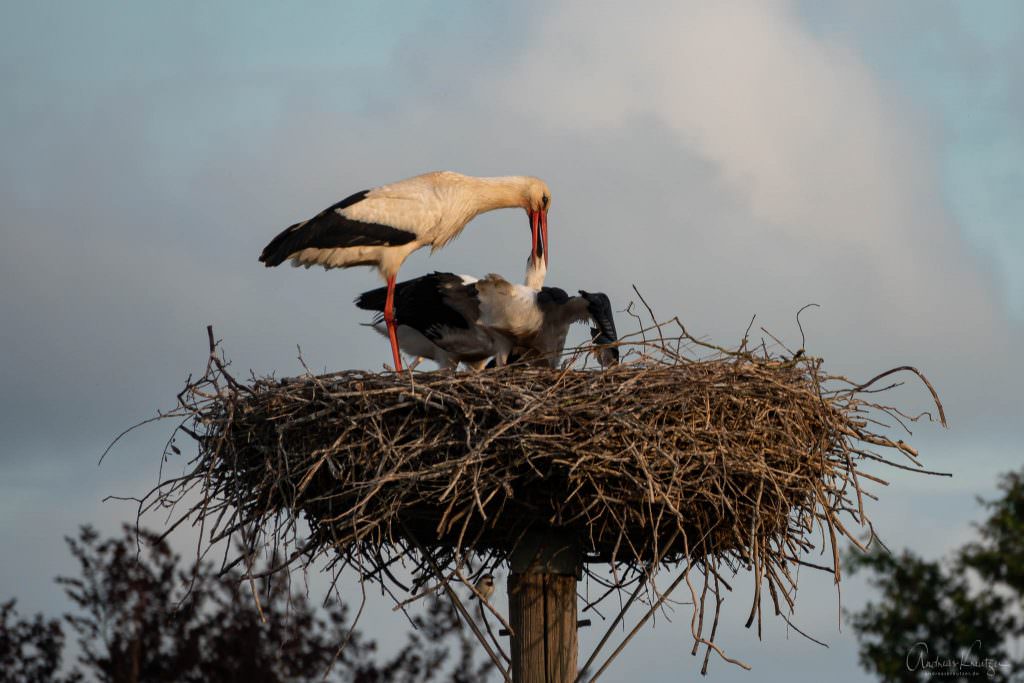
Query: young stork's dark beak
{"type": "Point", "coordinates": [539, 230]}
{"type": "Point", "coordinates": [600, 307]}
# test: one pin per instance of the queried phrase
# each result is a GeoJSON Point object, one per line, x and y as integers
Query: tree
{"type": "Point", "coordinates": [30, 651]}
{"type": "Point", "coordinates": [998, 556]}
{"type": "Point", "coordinates": [143, 617]}
{"type": "Point", "coordinates": [952, 619]}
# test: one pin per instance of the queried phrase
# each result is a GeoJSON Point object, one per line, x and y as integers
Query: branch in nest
{"type": "Point", "coordinates": [754, 455]}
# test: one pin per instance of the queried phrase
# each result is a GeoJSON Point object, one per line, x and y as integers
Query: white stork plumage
{"type": "Point", "coordinates": [437, 302]}
{"type": "Point", "coordinates": [382, 226]}
{"type": "Point", "coordinates": [457, 318]}
{"type": "Point", "coordinates": [435, 319]}
{"type": "Point", "coordinates": [538, 327]}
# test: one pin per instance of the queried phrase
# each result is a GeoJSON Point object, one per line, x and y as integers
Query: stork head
{"type": "Point", "coordinates": [537, 201]}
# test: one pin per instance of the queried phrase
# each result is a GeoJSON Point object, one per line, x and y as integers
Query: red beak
{"type": "Point", "coordinates": [539, 228]}
{"type": "Point", "coordinates": [544, 233]}
{"type": "Point", "coordinates": [535, 231]}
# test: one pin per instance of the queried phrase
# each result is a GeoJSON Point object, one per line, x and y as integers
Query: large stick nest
{"type": "Point", "coordinates": [685, 452]}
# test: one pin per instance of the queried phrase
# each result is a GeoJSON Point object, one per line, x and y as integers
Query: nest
{"type": "Point", "coordinates": [684, 454]}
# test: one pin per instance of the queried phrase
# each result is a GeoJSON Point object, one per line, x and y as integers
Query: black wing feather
{"type": "Point", "coordinates": [421, 303]}
{"type": "Point", "coordinates": [552, 295]}
{"type": "Point", "coordinates": [330, 230]}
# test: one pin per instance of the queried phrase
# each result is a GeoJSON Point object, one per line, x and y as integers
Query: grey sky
{"type": "Point", "coordinates": [727, 158]}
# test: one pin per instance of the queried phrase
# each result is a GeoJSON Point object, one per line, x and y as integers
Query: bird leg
{"type": "Point", "coordinates": [389, 320]}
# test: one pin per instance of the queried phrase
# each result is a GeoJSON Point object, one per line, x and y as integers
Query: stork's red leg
{"type": "Point", "coordinates": [389, 320]}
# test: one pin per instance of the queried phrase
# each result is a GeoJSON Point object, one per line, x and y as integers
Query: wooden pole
{"type": "Point", "coordinates": [542, 607]}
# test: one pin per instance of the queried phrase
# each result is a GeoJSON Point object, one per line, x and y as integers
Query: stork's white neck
{"type": "Point", "coordinates": [503, 192]}
{"type": "Point", "coordinates": [466, 197]}
{"type": "Point", "coordinates": [536, 271]}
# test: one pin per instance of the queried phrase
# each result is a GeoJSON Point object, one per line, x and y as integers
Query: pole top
{"type": "Point", "coordinates": [547, 551]}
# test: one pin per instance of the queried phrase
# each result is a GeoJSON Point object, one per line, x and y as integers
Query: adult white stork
{"type": "Point", "coordinates": [382, 226]}
{"type": "Point", "coordinates": [456, 318]}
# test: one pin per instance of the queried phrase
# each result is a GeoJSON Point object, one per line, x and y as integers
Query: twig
{"type": "Point", "coordinates": [760, 454]}
{"type": "Point", "coordinates": [458, 604]}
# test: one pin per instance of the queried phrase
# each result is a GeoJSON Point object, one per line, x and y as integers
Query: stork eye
{"type": "Point", "coordinates": [544, 201]}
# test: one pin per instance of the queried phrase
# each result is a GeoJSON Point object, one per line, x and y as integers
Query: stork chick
{"type": "Point", "coordinates": [456, 318]}
{"type": "Point", "coordinates": [438, 314]}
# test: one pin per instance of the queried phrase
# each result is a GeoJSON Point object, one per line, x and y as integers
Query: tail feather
{"type": "Point", "coordinates": [421, 303]}
{"type": "Point", "coordinates": [372, 300]}
{"type": "Point", "coordinates": [275, 253]}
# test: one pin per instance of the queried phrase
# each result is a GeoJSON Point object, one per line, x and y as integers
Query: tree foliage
{"type": "Point", "coordinates": [998, 555]}
{"type": "Point", "coordinates": [30, 649]}
{"type": "Point", "coordinates": [142, 615]}
{"type": "Point", "coordinates": [955, 619]}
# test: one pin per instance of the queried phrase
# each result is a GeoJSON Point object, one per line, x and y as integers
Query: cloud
{"type": "Point", "coordinates": [833, 173]}
{"type": "Point", "coordinates": [782, 115]}
{"type": "Point", "coordinates": [719, 155]}
{"type": "Point", "coordinates": [725, 157]}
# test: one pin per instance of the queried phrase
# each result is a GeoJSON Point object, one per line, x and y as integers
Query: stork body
{"type": "Point", "coordinates": [539, 327]}
{"type": "Point", "coordinates": [456, 318]}
{"type": "Point", "coordinates": [382, 226]}
{"type": "Point", "coordinates": [436, 319]}
{"type": "Point", "coordinates": [440, 316]}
